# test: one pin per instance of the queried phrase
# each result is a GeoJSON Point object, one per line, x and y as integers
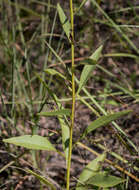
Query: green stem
{"type": "Point", "coordinates": [73, 95]}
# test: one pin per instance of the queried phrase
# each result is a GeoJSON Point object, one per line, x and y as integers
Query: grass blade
{"type": "Point", "coordinates": [42, 179]}
{"type": "Point", "coordinates": [118, 29]}
{"type": "Point", "coordinates": [54, 72]}
{"type": "Point", "coordinates": [55, 113]}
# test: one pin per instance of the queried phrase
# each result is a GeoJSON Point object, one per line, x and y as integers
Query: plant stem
{"type": "Point", "coordinates": [73, 94]}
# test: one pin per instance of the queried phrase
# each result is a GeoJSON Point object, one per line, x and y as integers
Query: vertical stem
{"type": "Point", "coordinates": [73, 94]}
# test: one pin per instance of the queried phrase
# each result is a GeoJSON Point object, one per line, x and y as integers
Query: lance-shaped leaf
{"type": "Point", "coordinates": [104, 120]}
{"type": "Point", "coordinates": [64, 21]}
{"type": "Point", "coordinates": [90, 170]}
{"type": "Point", "coordinates": [56, 112]}
{"type": "Point", "coordinates": [87, 70]}
{"type": "Point", "coordinates": [34, 142]}
{"type": "Point", "coordinates": [103, 179]}
{"type": "Point", "coordinates": [65, 131]}
{"type": "Point", "coordinates": [65, 136]}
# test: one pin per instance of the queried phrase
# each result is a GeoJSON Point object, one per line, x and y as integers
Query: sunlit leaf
{"type": "Point", "coordinates": [90, 170]}
{"type": "Point", "coordinates": [103, 179]}
{"type": "Point", "coordinates": [34, 142]}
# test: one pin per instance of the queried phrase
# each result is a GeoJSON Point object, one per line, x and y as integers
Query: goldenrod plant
{"type": "Point", "coordinates": [61, 83]}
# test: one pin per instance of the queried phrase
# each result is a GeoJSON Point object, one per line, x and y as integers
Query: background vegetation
{"type": "Point", "coordinates": [32, 42]}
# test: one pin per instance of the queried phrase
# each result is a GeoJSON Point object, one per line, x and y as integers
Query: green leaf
{"type": "Point", "coordinates": [97, 54]}
{"type": "Point", "coordinates": [54, 72]}
{"type": "Point", "coordinates": [34, 142]}
{"type": "Point", "coordinates": [102, 179]}
{"type": "Point", "coordinates": [65, 136]}
{"type": "Point", "coordinates": [87, 70]}
{"type": "Point", "coordinates": [64, 20]}
{"type": "Point", "coordinates": [90, 170]}
{"type": "Point", "coordinates": [104, 120]}
{"type": "Point", "coordinates": [42, 179]}
{"type": "Point", "coordinates": [56, 112]}
{"type": "Point", "coordinates": [65, 131]}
